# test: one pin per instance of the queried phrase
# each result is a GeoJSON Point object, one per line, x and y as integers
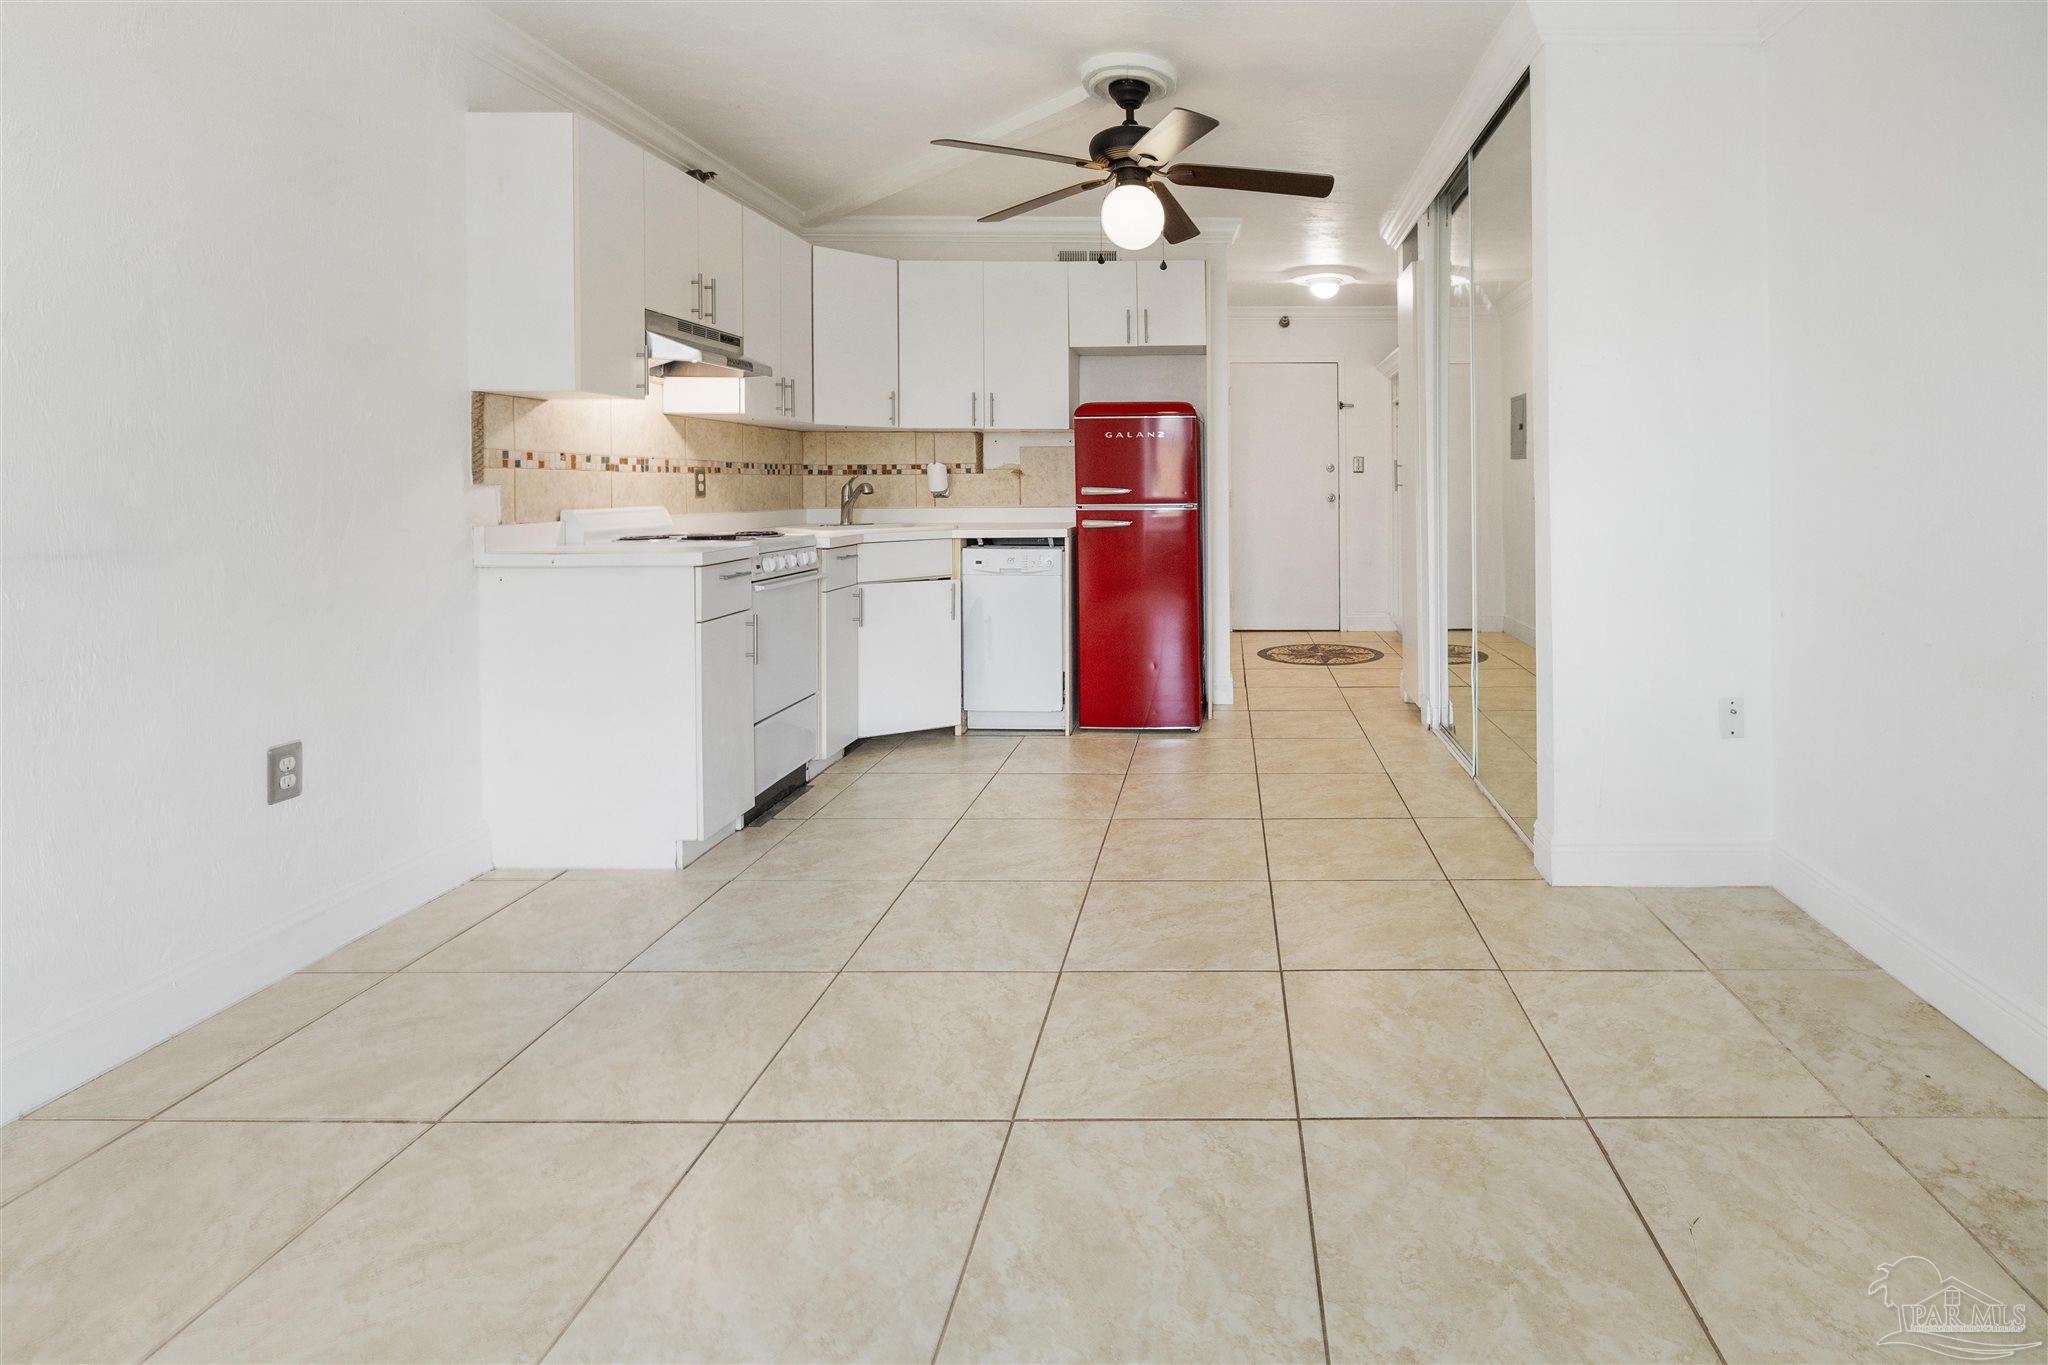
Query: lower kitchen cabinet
{"type": "Point", "coordinates": [725, 718]}
{"type": "Point", "coordinates": [839, 673]}
{"type": "Point", "coordinates": [909, 653]}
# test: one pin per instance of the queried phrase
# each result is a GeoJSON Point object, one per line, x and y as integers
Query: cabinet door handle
{"type": "Point", "coordinates": [711, 299]}
{"type": "Point", "coordinates": [1148, 326]}
{"type": "Point", "coordinates": [953, 601]}
{"type": "Point", "coordinates": [697, 297]}
{"type": "Point", "coordinates": [974, 409]}
{"type": "Point", "coordinates": [1397, 476]}
{"type": "Point", "coordinates": [991, 407]}
{"type": "Point", "coordinates": [892, 407]}
{"type": "Point", "coordinates": [753, 636]}
{"type": "Point", "coordinates": [737, 573]}
{"type": "Point", "coordinates": [640, 358]}
{"type": "Point", "coordinates": [860, 608]}
{"type": "Point", "coordinates": [847, 554]}
{"type": "Point", "coordinates": [1127, 326]}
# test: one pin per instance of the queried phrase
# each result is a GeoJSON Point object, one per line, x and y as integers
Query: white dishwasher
{"type": "Point", "coordinates": [1013, 639]}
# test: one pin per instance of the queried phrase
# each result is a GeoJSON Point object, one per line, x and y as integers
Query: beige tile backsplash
{"type": "Point", "coordinates": [598, 452]}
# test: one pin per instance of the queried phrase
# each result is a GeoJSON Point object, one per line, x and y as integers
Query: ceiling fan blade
{"type": "Point", "coordinates": [1172, 135]}
{"type": "Point", "coordinates": [1015, 151]}
{"type": "Point", "coordinates": [1042, 200]}
{"type": "Point", "coordinates": [1179, 227]}
{"type": "Point", "coordinates": [1250, 178]}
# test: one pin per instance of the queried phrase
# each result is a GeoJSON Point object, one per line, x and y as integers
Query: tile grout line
{"type": "Point", "coordinates": [1315, 1251]}
{"type": "Point", "coordinates": [302, 1230]}
{"type": "Point", "coordinates": [988, 1194]}
{"type": "Point", "coordinates": [1849, 1111]}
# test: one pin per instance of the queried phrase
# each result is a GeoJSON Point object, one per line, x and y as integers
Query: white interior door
{"type": "Point", "coordinates": [1286, 516]}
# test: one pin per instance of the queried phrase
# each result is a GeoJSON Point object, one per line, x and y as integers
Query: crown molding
{"type": "Point", "coordinates": [1080, 233]}
{"type": "Point", "coordinates": [497, 42]}
{"type": "Point", "coordinates": [1390, 364]}
{"type": "Point", "coordinates": [1535, 24]}
{"type": "Point", "coordinates": [932, 162]}
{"type": "Point", "coordinates": [1311, 311]}
{"type": "Point", "coordinates": [1507, 55]}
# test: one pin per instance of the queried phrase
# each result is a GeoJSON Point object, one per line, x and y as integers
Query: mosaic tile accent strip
{"type": "Point", "coordinates": [957, 466]}
{"type": "Point", "coordinates": [633, 464]}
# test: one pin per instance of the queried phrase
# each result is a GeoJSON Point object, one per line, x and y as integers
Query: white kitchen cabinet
{"type": "Point", "coordinates": [839, 673]}
{"type": "Point", "coordinates": [696, 248]}
{"type": "Point", "coordinates": [939, 344]}
{"type": "Point", "coordinates": [1025, 363]}
{"type": "Point", "coordinates": [1173, 304]}
{"type": "Point", "coordinates": [795, 365]}
{"type": "Point", "coordinates": [1102, 304]}
{"type": "Point", "coordinates": [909, 656]}
{"type": "Point", "coordinates": [725, 719]}
{"type": "Point", "coordinates": [556, 251]}
{"type": "Point", "coordinates": [761, 308]}
{"type": "Point", "coordinates": [721, 253]}
{"type": "Point", "coordinates": [853, 339]}
{"type": "Point", "coordinates": [671, 222]}
{"type": "Point", "coordinates": [1121, 305]}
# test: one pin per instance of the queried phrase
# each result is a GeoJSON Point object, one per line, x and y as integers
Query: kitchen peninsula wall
{"type": "Point", "coordinates": [598, 452]}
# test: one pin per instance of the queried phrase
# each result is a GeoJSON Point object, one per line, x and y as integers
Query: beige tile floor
{"type": "Point", "coordinates": [1260, 1044]}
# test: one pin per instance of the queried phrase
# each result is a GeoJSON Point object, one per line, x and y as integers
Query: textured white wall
{"type": "Point", "coordinates": [1908, 458]}
{"type": "Point", "coordinates": [234, 508]}
{"type": "Point", "coordinates": [1650, 328]}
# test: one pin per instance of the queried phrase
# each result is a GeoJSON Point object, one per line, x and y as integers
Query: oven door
{"type": "Point", "coordinates": [785, 643]}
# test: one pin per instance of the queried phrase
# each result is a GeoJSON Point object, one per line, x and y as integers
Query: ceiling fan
{"type": "Point", "coordinates": [1138, 160]}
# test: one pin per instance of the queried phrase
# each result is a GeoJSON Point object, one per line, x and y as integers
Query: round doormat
{"type": "Point", "coordinates": [1321, 654]}
{"type": "Point", "coordinates": [1462, 654]}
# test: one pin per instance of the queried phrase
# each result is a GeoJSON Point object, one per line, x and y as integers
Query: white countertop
{"type": "Point", "coordinates": [830, 536]}
{"type": "Point", "coordinates": [539, 545]}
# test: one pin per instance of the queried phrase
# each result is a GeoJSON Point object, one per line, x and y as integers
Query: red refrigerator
{"type": "Point", "coordinates": [1138, 566]}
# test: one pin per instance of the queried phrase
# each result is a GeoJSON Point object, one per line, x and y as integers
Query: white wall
{"type": "Point", "coordinates": [234, 508]}
{"type": "Point", "coordinates": [1649, 329]}
{"type": "Point", "coordinates": [1907, 355]}
{"type": "Point", "coordinates": [1355, 342]}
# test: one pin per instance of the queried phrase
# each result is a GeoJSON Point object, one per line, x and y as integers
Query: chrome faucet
{"type": "Point", "coordinates": [854, 488]}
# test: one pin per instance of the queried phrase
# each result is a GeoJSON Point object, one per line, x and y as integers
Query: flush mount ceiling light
{"type": "Point", "coordinates": [1323, 281]}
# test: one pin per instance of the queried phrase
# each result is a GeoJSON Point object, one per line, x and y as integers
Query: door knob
{"type": "Point", "coordinates": [1329, 469]}
{"type": "Point", "coordinates": [1329, 497]}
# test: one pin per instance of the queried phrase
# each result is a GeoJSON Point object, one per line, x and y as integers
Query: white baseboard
{"type": "Point", "coordinates": [100, 1035]}
{"type": "Point", "coordinates": [1652, 864]}
{"type": "Point", "coordinates": [1372, 620]}
{"type": "Point", "coordinates": [1927, 968]}
{"type": "Point", "coordinates": [1520, 629]}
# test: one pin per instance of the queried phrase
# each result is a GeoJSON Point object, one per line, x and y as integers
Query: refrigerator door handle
{"type": "Point", "coordinates": [1101, 525]}
{"type": "Point", "coordinates": [1093, 491]}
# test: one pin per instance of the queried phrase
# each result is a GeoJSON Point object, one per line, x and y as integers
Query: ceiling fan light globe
{"type": "Point", "coordinates": [1132, 217]}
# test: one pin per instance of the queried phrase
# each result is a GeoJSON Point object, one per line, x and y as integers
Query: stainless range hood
{"type": "Point", "coordinates": [677, 347]}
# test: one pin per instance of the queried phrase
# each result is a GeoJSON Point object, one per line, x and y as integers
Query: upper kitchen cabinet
{"type": "Point", "coordinates": [556, 257]}
{"type": "Point", "coordinates": [939, 344]}
{"type": "Point", "coordinates": [795, 365]}
{"type": "Point", "coordinates": [853, 339]}
{"type": "Point", "coordinates": [983, 344]}
{"type": "Point", "coordinates": [695, 248]}
{"type": "Point", "coordinates": [761, 313]}
{"type": "Point", "coordinates": [1024, 346]}
{"type": "Point", "coordinates": [1120, 305]}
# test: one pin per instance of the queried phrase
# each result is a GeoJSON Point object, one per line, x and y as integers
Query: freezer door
{"type": "Point", "coordinates": [1138, 575]}
{"type": "Point", "coordinates": [1123, 459]}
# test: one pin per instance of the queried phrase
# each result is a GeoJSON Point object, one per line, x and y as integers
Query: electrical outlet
{"type": "Point", "coordinates": [700, 483]}
{"type": "Point", "coordinates": [1358, 464]}
{"type": "Point", "coordinates": [286, 768]}
{"type": "Point", "coordinates": [1731, 718]}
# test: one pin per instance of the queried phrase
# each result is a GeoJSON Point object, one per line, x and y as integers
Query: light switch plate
{"type": "Point", "coordinates": [286, 768]}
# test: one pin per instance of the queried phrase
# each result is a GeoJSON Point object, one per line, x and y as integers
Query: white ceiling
{"type": "Point", "coordinates": [833, 105]}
